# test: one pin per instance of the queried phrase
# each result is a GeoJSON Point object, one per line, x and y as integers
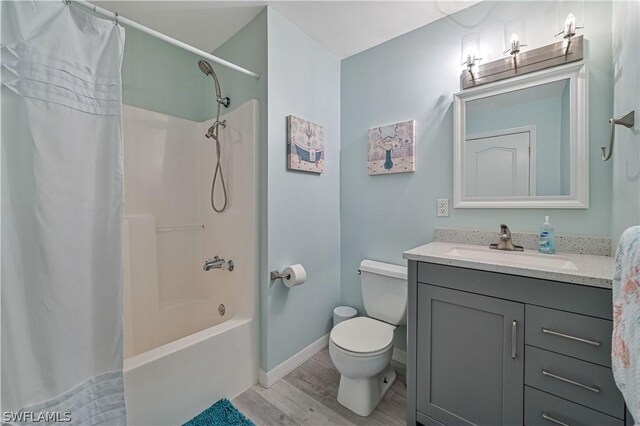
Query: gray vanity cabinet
{"type": "Point", "coordinates": [470, 355]}
{"type": "Point", "coordinates": [487, 348]}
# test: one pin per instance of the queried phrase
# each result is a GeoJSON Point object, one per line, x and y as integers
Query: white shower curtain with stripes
{"type": "Point", "coordinates": [62, 206]}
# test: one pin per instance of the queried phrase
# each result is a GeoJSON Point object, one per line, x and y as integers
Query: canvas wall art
{"type": "Point", "coordinates": [392, 148]}
{"type": "Point", "coordinates": [305, 145]}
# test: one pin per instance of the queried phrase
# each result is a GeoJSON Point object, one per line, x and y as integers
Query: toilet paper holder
{"type": "Point", "coordinates": [275, 275]}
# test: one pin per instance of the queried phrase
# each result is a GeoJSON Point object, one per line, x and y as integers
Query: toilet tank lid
{"type": "Point", "coordinates": [386, 269]}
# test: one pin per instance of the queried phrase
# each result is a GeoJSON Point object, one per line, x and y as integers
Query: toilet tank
{"type": "Point", "coordinates": [384, 291]}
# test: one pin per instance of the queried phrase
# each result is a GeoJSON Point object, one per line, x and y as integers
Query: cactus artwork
{"type": "Point", "coordinates": [391, 148]}
{"type": "Point", "coordinates": [305, 145]}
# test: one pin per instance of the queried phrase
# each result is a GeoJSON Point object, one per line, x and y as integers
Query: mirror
{"type": "Point", "coordinates": [523, 142]}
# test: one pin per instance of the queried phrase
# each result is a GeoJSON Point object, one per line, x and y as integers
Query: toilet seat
{"type": "Point", "coordinates": [363, 336]}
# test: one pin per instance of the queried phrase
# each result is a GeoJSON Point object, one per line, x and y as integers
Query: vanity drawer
{"type": "Point", "coordinates": [541, 408]}
{"type": "Point", "coordinates": [579, 381]}
{"type": "Point", "coordinates": [576, 335]}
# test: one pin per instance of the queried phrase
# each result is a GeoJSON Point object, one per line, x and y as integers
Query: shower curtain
{"type": "Point", "coordinates": [62, 206]}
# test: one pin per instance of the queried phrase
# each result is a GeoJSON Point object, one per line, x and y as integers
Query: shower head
{"type": "Point", "coordinates": [207, 69]}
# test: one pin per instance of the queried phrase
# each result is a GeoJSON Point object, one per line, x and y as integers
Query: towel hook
{"type": "Point", "coordinates": [626, 121]}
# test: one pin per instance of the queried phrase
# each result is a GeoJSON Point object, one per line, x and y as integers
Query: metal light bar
{"type": "Point", "coordinates": [560, 53]}
{"type": "Point", "coordinates": [129, 23]}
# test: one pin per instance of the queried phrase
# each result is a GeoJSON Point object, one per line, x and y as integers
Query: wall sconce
{"type": "Point", "coordinates": [515, 32]}
{"type": "Point", "coordinates": [470, 52]}
{"type": "Point", "coordinates": [514, 45]}
{"type": "Point", "coordinates": [570, 18]}
{"type": "Point", "coordinates": [569, 30]}
{"type": "Point", "coordinates": [569, 27]}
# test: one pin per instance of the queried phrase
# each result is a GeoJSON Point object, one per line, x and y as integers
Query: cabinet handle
{"type": "Point", "coordinates": [546, 416]}
{"type": "Point", "coordinates": [567, 336]}
{"type": "Point", "coordinates": [593, 389]}
{"type": "Point", "coordinates": [514, 339]}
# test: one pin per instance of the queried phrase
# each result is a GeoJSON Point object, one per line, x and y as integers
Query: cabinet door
{"type": "Point", "coordinates": [470, 354]}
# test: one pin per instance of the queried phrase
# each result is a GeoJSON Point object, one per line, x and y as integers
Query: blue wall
{"type": "Point", "coordinates": [414, 76]}
{"type": "Point", "coordinates": [299, 212]}
{"type": "Point", "coordinates": [303, 208]}
{"type": "Point", "coordinates": [163, 78]}
{"type": "Point", "coordinates": [247, 48]}
{"type": "Point", "coordinates": [626, 155]}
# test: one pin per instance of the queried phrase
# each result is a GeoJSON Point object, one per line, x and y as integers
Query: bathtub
{"type": "Point", "coordinates": [190, 336]}
{"type": "Point", "coordinates": [172, 383]}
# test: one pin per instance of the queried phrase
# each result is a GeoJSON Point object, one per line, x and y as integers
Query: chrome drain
{"type": "Point", "coordinates": [221, 309]}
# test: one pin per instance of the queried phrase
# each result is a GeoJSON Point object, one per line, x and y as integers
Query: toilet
{"type": "Point", "coordinates": [361, 347]}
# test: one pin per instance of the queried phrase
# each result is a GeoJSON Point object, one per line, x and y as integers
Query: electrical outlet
{"type": "Point", "coordinates": [443, 207]}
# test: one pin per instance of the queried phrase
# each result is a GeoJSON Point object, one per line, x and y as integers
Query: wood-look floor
{"type": "Point", "coordinates": [307, 396]}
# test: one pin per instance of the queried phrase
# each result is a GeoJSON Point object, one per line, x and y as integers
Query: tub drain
{"type": "Point", "coordinates": [221, 309]}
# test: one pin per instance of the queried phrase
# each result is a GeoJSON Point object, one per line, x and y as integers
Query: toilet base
{"type": "Point", "coordinates": [362, 395]}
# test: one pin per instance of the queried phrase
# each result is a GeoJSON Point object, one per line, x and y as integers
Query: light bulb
{"type": "Point", "coordinates": [471, 55]}
{"type": "Point", "coordinates": [515, 43]}
{"type": "Point", "coordinates": [570, 26]}
{"type": "Point", "coordinates": [470, 50]}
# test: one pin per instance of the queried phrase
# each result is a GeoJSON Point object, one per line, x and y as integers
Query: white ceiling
{"type": "Point", "coordinates": [342, 27]}
{"type": "Point", "coordinates": [349, 27]}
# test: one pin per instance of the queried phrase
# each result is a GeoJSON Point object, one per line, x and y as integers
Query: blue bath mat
{"type": "Point", "coordinates": [222, 413]}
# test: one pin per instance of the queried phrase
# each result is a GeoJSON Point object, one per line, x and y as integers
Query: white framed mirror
{"type": "Point", "coordinates": [523, 142]}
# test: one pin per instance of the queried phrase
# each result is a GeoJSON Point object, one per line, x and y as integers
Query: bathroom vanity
{"type": "Point", "coordinates": [503, 338]}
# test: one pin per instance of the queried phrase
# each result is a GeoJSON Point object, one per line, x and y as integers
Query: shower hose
{"type": "Point", "coordinates": [218, 170]}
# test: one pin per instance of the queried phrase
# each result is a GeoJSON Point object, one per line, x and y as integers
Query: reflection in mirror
{"type": "Point", "coordinates": [517, 144]}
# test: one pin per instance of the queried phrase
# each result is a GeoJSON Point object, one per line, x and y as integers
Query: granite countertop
{"type": "Point", "coordinates": [589, 270]}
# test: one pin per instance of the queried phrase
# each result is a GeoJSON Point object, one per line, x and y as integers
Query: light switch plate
{"type": "Point", "coordinates": [443, 207]}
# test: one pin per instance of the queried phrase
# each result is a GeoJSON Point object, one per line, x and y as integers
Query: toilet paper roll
{"type": "Point", "coordinates": [297, 275]}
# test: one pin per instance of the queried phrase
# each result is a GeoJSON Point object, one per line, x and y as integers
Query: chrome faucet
{"type": "Point", "coordinates": [218, 263]}
{"type": "Point", "coordinates": [505, 241]}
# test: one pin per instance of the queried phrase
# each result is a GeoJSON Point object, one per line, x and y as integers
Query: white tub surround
{"type": "Point", "coordinates": [595, 271]}
{"type": "Point", "coordinates": [182, 351]}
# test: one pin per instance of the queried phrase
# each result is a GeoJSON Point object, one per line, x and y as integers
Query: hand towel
{"type": "Point", "coordinates": [625, 348]}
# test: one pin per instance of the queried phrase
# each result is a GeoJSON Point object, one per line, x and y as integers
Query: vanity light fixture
{"type": "Point", "coordinates": [518, 61]}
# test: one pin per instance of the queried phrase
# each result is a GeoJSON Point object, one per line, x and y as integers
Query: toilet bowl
{"type": "Point", "coordinates": [361, 349]}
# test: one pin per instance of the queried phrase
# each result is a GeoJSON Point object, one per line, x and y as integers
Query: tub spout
{"type": "Point", "coordinates": [218, 263]}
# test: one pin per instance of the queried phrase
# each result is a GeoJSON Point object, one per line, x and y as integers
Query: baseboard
{"type": "Point", "coordinates": [269, 378]}
{"type": "Point", "coordinates": [399, 356]}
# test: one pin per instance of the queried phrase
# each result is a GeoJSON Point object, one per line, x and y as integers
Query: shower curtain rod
{"type": "Point", "coordinates": [128, 22]}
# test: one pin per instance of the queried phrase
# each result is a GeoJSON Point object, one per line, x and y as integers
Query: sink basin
{"type": "Point", "coordinates": [533, 260]}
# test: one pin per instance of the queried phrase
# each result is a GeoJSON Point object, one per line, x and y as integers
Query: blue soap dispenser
{"type": "Point", "coordinates": [547, 243]}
